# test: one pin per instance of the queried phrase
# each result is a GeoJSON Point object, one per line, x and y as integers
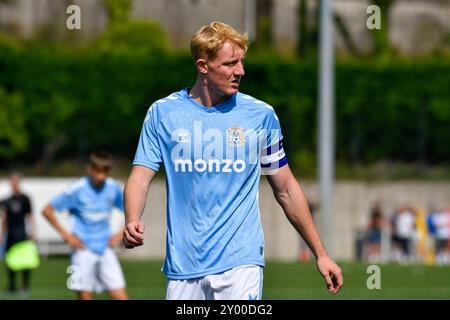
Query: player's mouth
{"type": "Point", "coordinates": [235, 82]}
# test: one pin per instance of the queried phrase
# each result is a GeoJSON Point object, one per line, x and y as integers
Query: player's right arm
{"type": "Point", "coordinates": [71, 239]}
{"type": "Point", "coordinates": [135, 195]}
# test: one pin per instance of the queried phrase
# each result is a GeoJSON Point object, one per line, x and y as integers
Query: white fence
{"type": "Point", "coordinates": [352, 203]}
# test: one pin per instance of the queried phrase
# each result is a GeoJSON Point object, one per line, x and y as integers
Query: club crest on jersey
{"type": "Point", "coordinates": [236, 136]}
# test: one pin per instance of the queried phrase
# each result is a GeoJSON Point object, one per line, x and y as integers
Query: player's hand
{"type": "Point", "coordinates": [115, 240]}
{"type": "Point", "coordinates": [74, 241]}
{"type": "Point", "coordinates": [331, 273]}
{"type": "Point", "coordinates": [133, 234]}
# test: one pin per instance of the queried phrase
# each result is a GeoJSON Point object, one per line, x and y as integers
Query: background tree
{"type": "Point", "coordinates": [263, 38]}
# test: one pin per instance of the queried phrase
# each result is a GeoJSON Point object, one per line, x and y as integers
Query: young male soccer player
{"type": "Point", "coordinates": [213, 141]}
{"type": "Point", "coordinates": [90, 201]}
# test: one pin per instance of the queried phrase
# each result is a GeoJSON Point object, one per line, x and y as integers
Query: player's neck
{"type": "Point", "coordinates": [204, 96]}
{"type": "Point", "coordinates": [98, 186]}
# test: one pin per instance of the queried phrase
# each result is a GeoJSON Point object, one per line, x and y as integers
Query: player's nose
{"type": "Point", "coordinates": [101, 177]}
{"type": "Point", "coordinates": [239, 71]}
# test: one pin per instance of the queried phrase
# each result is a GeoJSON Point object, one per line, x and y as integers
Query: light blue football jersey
{"type": "Point", "coordinates": [213, 159]}
{"type": "Point", "coordinates": [91, 209]}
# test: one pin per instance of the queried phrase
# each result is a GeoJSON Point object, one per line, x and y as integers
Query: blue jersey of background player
{"type": "Point", "coordinates": [214, 142]}
{"type": "Point", "coordinates": [90, 201]}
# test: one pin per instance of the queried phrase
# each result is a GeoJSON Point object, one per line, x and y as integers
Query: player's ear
{"type": "Point", "coordinates": [202, 66]}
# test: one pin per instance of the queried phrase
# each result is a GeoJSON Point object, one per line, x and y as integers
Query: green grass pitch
{"type": "Point", "coordinates": [281, 281]}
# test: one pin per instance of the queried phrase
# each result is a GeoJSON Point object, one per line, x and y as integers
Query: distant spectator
{"type": "Point", "coordinates": [439, 227]}
{"type": "Point", "coordinates": [373, 236]}
{"type": "Point", "coordinates": [403, 231]}
{"type": "Point", "coordinates": [17, 226]}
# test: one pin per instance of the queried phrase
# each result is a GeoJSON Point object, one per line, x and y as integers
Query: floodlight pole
{"type": "Point", "coordinates": [326, 126]}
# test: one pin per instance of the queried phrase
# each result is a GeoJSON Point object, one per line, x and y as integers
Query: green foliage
{"type": "Point", "coordinates": [381, 36]}
{"type": "Point", "coordinates": [118, 10]}
{"type": "Point", "coordinates": [386, 111]}
{"type": "Point", "coordinates": [125, 37]}
{"type": "Point", "coordinates": [13, 136]}
{"type": "Point", "coordinates": [133, 37]}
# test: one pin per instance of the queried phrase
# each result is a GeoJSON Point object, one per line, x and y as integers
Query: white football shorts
{"type": "Point", "coordinates": [240, 283]}
{"type": "Point", "coordinates": [91, 272]}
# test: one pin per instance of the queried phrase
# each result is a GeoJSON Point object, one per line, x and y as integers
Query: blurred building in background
{"type": "Point", "coordinates": [415, 26]}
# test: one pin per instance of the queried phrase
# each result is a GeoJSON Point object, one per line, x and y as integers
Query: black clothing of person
{"type": "Point", "coordinates": [16, 207]}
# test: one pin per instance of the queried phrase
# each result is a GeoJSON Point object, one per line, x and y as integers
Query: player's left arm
{"type": "Point", "coordinates": [290, 196]}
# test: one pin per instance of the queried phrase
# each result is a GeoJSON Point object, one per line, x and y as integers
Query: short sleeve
{"type": "Point", "coordinates": [65, 200]}
{"type": "Point", "coordinates": [272, 125]}
{"type": "Point", "coordinates": [148, 153]}
{"type": "Point", "coordinates": [273, 155]}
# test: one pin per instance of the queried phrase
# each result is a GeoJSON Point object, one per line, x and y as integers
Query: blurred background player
{"type": "Point", "coordinates": [439, 227]}
{"type": "Point", "coordinates": [403, 234]}
{"type": "Point", "coordinates": [215, 243]}
{"type": "Point", "coordinates": [372, 248]}
{"type": "Point", "coordinates": [18, 226]}
{"type": "Point", "coordinates": [90, 200]}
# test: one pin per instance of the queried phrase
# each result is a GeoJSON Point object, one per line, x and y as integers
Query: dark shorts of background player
{"type": "Point", "coordinates": [403, 243]}
{"type": "Point", "coordinates": [442, 245]}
